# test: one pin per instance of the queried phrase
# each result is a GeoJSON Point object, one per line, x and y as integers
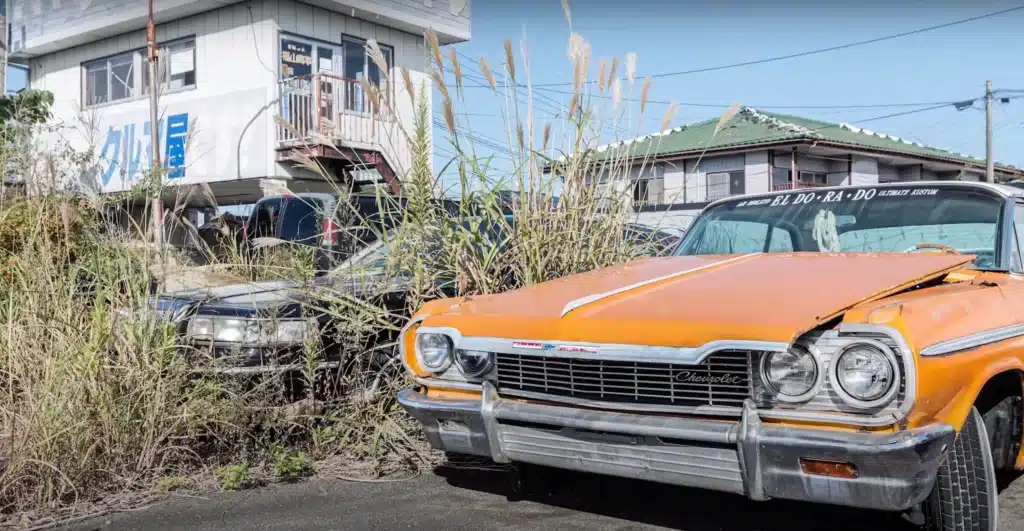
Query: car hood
{"type": "Point", "coordinates": [280, 298]}
{"type": "Point", "coordinates": [692, 300]}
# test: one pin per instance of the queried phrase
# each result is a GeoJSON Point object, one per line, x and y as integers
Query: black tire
{"type": "Point", "coordinates": [965, 496]}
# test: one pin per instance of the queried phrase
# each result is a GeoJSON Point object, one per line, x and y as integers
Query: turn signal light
{"type": "Point", "coordinates": [831, 469]}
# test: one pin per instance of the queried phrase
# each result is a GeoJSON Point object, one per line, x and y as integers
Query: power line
{"type": "Point", "coordinates": [541, 101]}
{"type": "Point", "coordinates": [815, 51]}
{"type": "Point", "coordinates": [758, 106]}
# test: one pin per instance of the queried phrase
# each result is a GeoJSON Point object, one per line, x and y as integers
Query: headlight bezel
{"type": "Point", "coordinates": [487, 367]}
{"type": "Point", "coordinates": [253, 331]}
{"type": "Point", "coordinates": [448, 358]}
{"type": "Point", "coordinates": [819, 374]}
{"type": "Point", "coordinates": [894, 385]}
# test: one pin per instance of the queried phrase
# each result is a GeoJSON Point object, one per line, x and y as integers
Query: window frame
{"type": "Point", "coordinates": [729, 176]}
{"type": "Point", "coordinates": [1016, 264]}
{"type": "Point", "coordinates": [140, 69]}
{"type": "Point", "coordinates": [813, 175]}
{"type": "Point", "coordinates": [163, 49]}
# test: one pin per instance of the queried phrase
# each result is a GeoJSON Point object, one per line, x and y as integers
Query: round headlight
{"type": "Point", "coordinates": [434, 351]}
{"type": "Point", "coordinates": [792, 374]}
{"type": "Point", "coordinates": [473, 363]}
{"type": "Point", "coordinates": [866, 373]}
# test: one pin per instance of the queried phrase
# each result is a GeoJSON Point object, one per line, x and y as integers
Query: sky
{"type": "Point", "coordinates": [943, 65]}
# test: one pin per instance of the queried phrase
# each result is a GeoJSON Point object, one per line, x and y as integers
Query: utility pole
{"type": "Point", "coordinates": [3, 46]}
{"type": "Point", "coordinates": [154, 130]}
{"type": "Point", "coordinates": [989, 163]}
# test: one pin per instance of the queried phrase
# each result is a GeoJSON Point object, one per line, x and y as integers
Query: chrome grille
{"type": "Point", "coordinates": [723, 379]}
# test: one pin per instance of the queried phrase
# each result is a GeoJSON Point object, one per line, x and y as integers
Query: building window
{"type": "Point", "coordinates": [176, 69]}
{"type": "Point", "coordinates": [725, 184]}
{"type": "Point", "coordinates": [641, 192]}
{"type": "Point", "coordinates": [110, 79]}
{"type": "Point", "coordinates": [814, 178]}
{"type": "Point", "coordinates": [119, 77]}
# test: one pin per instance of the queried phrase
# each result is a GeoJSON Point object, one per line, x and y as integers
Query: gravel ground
{"type": "Point", "coordinates": [450, 500]}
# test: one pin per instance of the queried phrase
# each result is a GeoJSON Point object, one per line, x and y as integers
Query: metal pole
{"type": "Point", "coordinates": [154, 128]}
{"type": "Point", "coordinates": [792, 169]}
{"type": "Point", "coordinates": [989, 163]}
{"type": "Point", "coordinates": [3, 44]}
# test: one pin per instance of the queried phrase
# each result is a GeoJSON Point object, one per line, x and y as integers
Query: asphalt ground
{"type": "Point", "coordinates": [452, 499]}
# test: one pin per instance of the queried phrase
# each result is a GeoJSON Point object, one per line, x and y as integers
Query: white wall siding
{"type": "Point", "coordinates": [45, 26]}
{"type": "Point", "coordinates": [838, 172]}
{"type": "Point", "coordinates": [229, 115]}
{"type": "Point", "coordinates": [887, 173]}
{"type": "Point", "coordinates": [757, 175]}
{"type": "Point", "coordinates": [865, 171]}
{"type": "Point", "coordinates": [803, 163]}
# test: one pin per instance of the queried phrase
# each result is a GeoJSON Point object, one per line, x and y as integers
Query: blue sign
{"type": "Point", "coordinates": [122, 150]}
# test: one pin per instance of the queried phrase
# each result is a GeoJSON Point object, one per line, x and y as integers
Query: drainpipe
{"type": "Point", "coordinates": [793, 169]}
{"type": "Point", "coordinates": [849, 168]}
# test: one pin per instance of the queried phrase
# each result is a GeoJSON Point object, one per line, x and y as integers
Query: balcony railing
{"type": "Point", "coordinates": [332, 106]}
{"type": "Point", "coordinates": [778, 187]}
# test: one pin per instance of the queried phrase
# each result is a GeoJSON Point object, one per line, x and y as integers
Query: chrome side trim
{"type": "Point", "coordinates": [977, 339]}
{"type": "Point", "coordinates": [603, 351]}
{"type": "Point", "coordinates": [714, 411]}
{"type": "Point", "coordinates": [440, 383]}
{"type": "Point", "coordinates": [583, 301]}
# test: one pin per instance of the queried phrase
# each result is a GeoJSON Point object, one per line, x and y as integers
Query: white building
{"type": "Point", "coordinates": [674, 174]}
{"type": "Point", "coordinates": [243, 85]}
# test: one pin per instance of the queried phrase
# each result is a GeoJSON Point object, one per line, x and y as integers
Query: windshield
{"type": "Point", "coordinates": [861, 219]}
{"type": "Point", "coordinates": [373, 257]}
{"type": "Point", "coordinates": [301, 221]}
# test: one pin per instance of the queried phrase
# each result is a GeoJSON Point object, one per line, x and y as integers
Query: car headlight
{"type": "Point", "coordinates": [248, 331]}
{"type": "Point", "coordinates": [473, 363]}
{"type": "Point", "coordinates": [792, 374]}
{"type": "Point", "coordinates": [434, 351]}
{"type": "Point", "coordinates": [865, 374]}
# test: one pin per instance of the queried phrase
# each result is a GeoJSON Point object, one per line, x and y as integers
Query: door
{"type": "Point", "coordinates": [354, 64]}
{"type": "Point", "coordinates": [327, 59]}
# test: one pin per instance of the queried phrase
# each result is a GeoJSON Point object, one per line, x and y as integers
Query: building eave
{"type": "Point", "coordinates": [809, 141]}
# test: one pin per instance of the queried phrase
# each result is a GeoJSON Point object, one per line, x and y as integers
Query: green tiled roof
{"type": "Point", "coordinates": [751, 127]}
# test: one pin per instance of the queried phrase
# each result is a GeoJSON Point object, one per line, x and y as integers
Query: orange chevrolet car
{"type": "Point", "coordinates": [859, 346]}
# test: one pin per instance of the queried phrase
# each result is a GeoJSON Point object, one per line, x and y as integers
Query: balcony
{"type": "Point", "coordinates": [778, 187]}
{"type": "Point", "coordinates": [325, 107]}
{"type": "Point", "coordinates": [335, 120]}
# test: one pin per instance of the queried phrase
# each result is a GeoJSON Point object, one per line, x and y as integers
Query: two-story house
{"type": "Point", "coordinates": [670, 176]}
{"type": "Point", "coordinates": [243, 86]}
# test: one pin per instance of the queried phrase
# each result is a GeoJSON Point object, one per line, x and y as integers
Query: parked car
{"type": "Point", "coordinates": [789, 349]}
{"type": "Point", "coordinates": [263, 327]}
{"type": "Point", "coordinates": [318, 220]}
{"type": "Point", "coordinates": [651, 241]}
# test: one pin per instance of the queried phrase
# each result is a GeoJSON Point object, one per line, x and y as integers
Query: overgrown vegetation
{"type": "Point", "coordinates": [96, 399]}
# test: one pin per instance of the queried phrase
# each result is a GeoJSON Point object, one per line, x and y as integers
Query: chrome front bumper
{"type": "Point", "coordinates": [894, 471]}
